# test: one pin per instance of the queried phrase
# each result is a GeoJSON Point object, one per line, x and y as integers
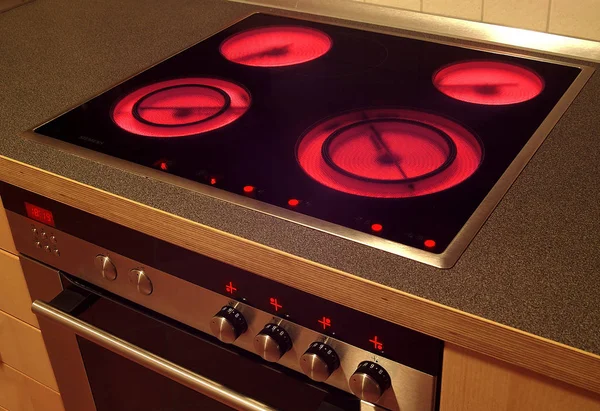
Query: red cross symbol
{"type": "Point", "coordinates": [326, 322]}
{"type": "Point", "coordinates": [378, 345]}
{"type": "Point", "coordinates": [274, 303]}
{"type": "Point", "coordinates": [230, 288]}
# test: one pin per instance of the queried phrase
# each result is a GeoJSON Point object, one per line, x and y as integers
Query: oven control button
{"type": "Point", "coordinates": [106, 267]}
{"type": "Point", "coordinates": [272, 342]}
{"type": "Point", "coordinates": [319, 361]}
{"type": "Point", "coordinates": [369, 381]}
{"type": "Point", "coordinates": [139, 279]}
{"type": "Point", "coordinates": [47, 248]}
{"type": "Point", "coordinates": [228, 324]}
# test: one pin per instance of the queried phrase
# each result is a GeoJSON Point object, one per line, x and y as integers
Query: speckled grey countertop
{"type": "Point", "coordinates": [533, 266]}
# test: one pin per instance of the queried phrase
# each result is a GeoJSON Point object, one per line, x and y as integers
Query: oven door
{"type": "Point", "coordinates": [110, 354]}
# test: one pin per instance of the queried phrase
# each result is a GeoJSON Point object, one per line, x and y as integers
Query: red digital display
{"type": "Point", "coordinates": [39, 214]}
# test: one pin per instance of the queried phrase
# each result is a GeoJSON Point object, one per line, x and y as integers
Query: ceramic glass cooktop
{"type": "Point", "coordinates": [391, 141]}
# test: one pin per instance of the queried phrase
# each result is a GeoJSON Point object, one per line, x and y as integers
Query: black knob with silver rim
{"type": "Point", "coordinates": [319, 361]}
{"type": "Point", "coordinates": [369, 381]}
{"type": "Point", "coordinates": [228, 324]}
{"type": "Point", "coordinates": [272, 342]}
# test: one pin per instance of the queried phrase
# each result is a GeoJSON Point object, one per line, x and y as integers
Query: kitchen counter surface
{"type": "Point", "coordinates": [533, 266]}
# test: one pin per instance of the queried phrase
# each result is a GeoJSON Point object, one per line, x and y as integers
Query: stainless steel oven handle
{"type": "Point", "coordinates": [153, 362]}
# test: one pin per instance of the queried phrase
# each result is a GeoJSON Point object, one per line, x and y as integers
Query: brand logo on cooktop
{"type": "Point", "coordinates": [91, 140]}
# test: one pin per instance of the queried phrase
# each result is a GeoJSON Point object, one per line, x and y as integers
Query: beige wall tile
{"type": "Point", "coordinates": [526, 14]}
{"type": "Point", "coordinates": [399, 4]}
{"type": "Point", "coordinates": [464, 9]}
{"type": "Point", "coordinates": [577, 18]}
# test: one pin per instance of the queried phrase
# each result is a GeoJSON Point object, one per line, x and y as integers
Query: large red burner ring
{"type": "Point", "coordinates": [181, 107]}
{"type": "Point", "coordinates": [488, 82]}
{"type": "Point", "coordinates": [276, 46]}
{"type": "Point", "coordinates": [389, 153]}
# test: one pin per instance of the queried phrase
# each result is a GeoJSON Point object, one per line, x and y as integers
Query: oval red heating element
{"type": "Point", "coordinates": [488, 82]}
{"type": "Point", "coordinates": [181, 107]}
{"type": "Point", "coordinates": [389, 153]}
{"type": "Point", "coordinates": [276, 46]}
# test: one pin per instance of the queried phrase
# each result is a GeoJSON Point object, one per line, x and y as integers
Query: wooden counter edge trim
{"type": "Point", "coordinates": [538, 354]}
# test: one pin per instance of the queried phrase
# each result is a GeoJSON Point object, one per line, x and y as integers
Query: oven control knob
{"type": "Point", "coordinates": [228, 324]}
{"type": "Point", "coordinates": [140, 280]}
{"type": "Point", "coordinates": [272, 342]}
{"type": "Point", "coordinates": [319, 361]}
{"type": "Point", "coordinates": [369, 381]}
{"type": "Point", "coordinates": [106, 267]}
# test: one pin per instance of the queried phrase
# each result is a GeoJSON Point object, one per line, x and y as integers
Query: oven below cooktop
{"type": "Point", "coordinates": [378, 361]}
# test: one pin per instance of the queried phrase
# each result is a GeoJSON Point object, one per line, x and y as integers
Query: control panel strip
{"type": "Point", "coordinates": [323, 358]}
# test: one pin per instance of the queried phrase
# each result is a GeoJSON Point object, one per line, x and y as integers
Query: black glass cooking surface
{"type": "Point", "coordinates": [394, 137]}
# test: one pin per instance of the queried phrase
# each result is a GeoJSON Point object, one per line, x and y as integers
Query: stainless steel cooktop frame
{"type": "Point", "coordinates": [378, 15]}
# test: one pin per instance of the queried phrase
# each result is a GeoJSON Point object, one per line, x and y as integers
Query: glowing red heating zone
{"type": "Point", "coordinates": [276, 46]}
{"type": "Point", "coordinates": [415, 149]}
{"type": "Point", "coordinates": [423, 150]}
{"type": "Point", "coordinates": [488, 82]}
{"type": "Point", "coordinates": [181, 107]}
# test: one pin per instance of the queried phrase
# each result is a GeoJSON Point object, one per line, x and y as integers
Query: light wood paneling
{"type": "Point", "coordinates": [14, 296]}
{"type": "Point", "coordinates": [6, 241]}
{"type": "Point", "coordinates": [474, 382]}
{"type": "Point", "coordinates": [538, 354]}
{"type": "Point", "coordinates": [22, 347]}
{"type": "Point", "coordinates": [20, 393]}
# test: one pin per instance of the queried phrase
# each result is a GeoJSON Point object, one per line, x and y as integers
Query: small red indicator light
{"type": "Point", "coordinates": [378, 345]}
{"type": "Point", "coordinates": [248, 189]}
{"type": "Point", "coordinates": [429, 243]}
{"type": "Point", "coordinates": [39, 214]}
{"type": "Point", "coordinates": [293, 202]}
{"type": "Point", "coordinates": [230, 288]}
{"type": "Point", "coordinates": [213, 181]}
{"type": "Point", "coordinates": [325, 322]}
{"type": "Point", "coordinates": [275, 304]}
{"type": "Point", "coordinates": [376, 227]}
{"type": "Point", "coordinates": [163, 165]}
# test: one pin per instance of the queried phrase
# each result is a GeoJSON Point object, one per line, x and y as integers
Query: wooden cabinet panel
{"type": "Point", "coordinates": [14, 295]}
{"type": "Point", "coordinates": [22, 347]}
{"type": "Point", "coordinates": [20, 393]}
{"type": "Point", "coordinates": [6, 241]}
{"type": "Point", "coordinates": [474, 382]}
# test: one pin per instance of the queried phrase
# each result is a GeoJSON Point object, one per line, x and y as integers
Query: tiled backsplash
{"type": "Point", "coordinates": [575, 18]}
